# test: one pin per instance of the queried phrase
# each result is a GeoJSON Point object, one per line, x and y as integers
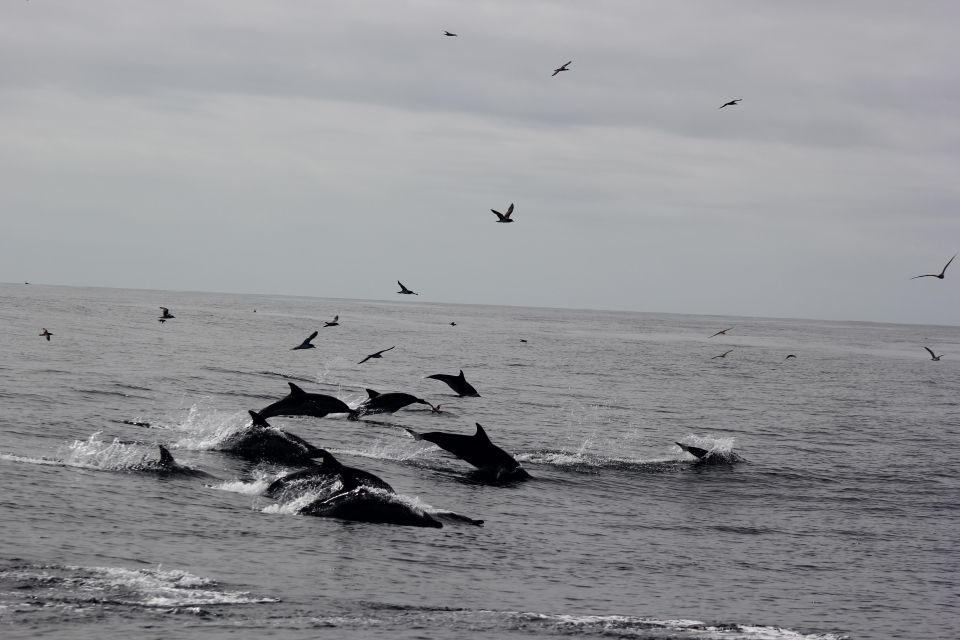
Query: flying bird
{"type": "Point", "coordinates": [936, 275]}
{"type": "Point", "coordinates": [308, 343]}
{"type": "Point", "coordinates": [166, 315]}
{"type": "Point", "coordinates": [378, 354]}
{"type": "Point", "coordinates": [403, 289]}
{"type": "Point", "coordinates": [559, 69]}
{"type": "Point", "coordinates": [933, 356]}
{"type": "Point", "coordinates": [46, 334]}
{"type": "Point", "coordinates": [721, 333]}
{"type": "Point", "coordinates": [447, 33]}
{"type": "Point", "coordinates": [732, 103]}
{"type": "Point", "coordinates": [722, 355]}
{"type": "Point", "coordinates": [504, 217]}
{"type": "Point", "coordinates": [453, 324]}
{"type": "Point", "coordinates": [333, 323]}
{"type": "Point", "coordinates": [790, 355]}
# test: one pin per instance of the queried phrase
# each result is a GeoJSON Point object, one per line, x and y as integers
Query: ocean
{"type": "Point", "coordinates": [829, 507]}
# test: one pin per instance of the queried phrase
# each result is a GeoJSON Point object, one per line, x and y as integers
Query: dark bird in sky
{"type": "Point", "coordinates": [504, 217]}
{"type": "Point", "coordinates": [308, 343]}
{"type": "Point", "coordinates": [790, 356]}
{"type": "Point", "coordinates": [732, 103]}
{"type": "Point", "coordinates": [722, 355]}
{"type": "Point", "coordinates": [933, 356]}
{"type": "Point", "coordinates": [453, 324]}
{"type": "Point", "coordinates": [937, 275]}
{"type": "Point", "coordinates": [721, 333]}
{"type": "Point", "coordinates": [403, 289]}
{"type": "Point", "coordinates": [166, 315]}
{"type": "Point", "coordinates": [559, 69]}
{"type": "Point", "coordinates": [447, 33]}
{"type": "Point", "coordinates": [46, 334]}
{"type": "Point", "coordinates": [333, 323]}
{"type": "Point", "coordinates": [378, 354]}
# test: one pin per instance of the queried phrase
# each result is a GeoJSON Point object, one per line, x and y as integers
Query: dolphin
{"type": "Point", "coordinates": [362, 504]}
{"type": "Point", "coordinates": [260, 441]}
{"type": "Point", "coordinates": [312, 478]}
{"type": "Point", "coordinates": [458, 383]}
{"type": "Point", "coordinates": [168, 466]}
{"type": "Point", "coordinates": [478, 451]}
{"type": "Point", "coordinates": [695, 451]}
{"type": "Point", "coordinates": [301, 403]}
{"type": "Point", "coordinates": [388, 402]}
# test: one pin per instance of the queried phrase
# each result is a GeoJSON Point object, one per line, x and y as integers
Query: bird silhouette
{"type": "Point", "coordinates": [46, 334]}
{"type": "Point", "coordinates": [937, 275]}
{"type": "Point", "coordinates": [562, 68]}
{"type": "Point", "coordinates": [722, 355]}
{"type": "Point", "coordinates": [790, 355]}
{"type": "Point", "coordinates": [333, 323]}
{"type": "Point", "coordinates": [732, 103]}
{"type": "Point", "coordinates": [721, 333]}
{"type": "Point", "coordinates": [166, 315]}
{"type": "Point", "coordinates": [403, 289]}
{"type": "Point", "coordinates": [308, 343]}
{"type": "Point", "coordinates": [504, 217]}
{"type": "Point", "coordinates": [378, 354]}
{"type": "Point", "coordinates": [933, 356]}
{"type": "Point", "coordinates": [447, 33]}
{"type": "Point", "coordinates": [453, 324]}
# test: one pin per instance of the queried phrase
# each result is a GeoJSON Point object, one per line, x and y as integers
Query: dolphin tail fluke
{"type": "Point", "coordinates": [166, 459]}
{"type": "Point", "coordinates": [258, 420]}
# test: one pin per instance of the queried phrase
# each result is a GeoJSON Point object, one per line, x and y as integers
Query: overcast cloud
{"type": "Point", "coordinates": [331, 148]}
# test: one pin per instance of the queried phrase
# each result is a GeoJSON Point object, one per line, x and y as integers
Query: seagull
{"type": "Point", "coordinates": [933, 356]}
{"type": "Point", "coordinates": [453, 324]}
{"type": "Point", "coordinates": [334, 323]}
{"type": "Point", "coordinates": [166, 315]}
{"type": "Point", "coordinates": [936, 275]}
{"type": "Point", "coordinates": [721, 333]}
{"type": "Point", "coordinates": [307, 344]}
{"type": "Point", "coordinates": [790, 356]}
{"type": "Point", "coordinates": [403, 289]}
{"type": "Point", "coordinates": [504, 217]}
{"type": "Point", "coordinates": [722, 355]}
{"type": "Point", "coordinates": [732, 103]}
{"type": "Point", "coordinates": [378, 354]}
{"type": "Point", "coordinates": [447, 33]}
{"type": "Point", "coordinates": [559, 69]}
{"type": "Point", "coordinates": [46, 334]}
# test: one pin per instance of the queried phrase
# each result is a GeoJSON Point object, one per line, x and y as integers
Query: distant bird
{"type": "Point", "coordinates": [504, 217]}
{"type": "Point", "coordinates": [166, 315]}
{"type": "Point", "coordinates": [559, 69]}
{"type": "Point", "coordinates": [732, 103]}
{"type": "Point", "coordinates": [334, 323]}
{"type": "Point", "coordinates": [453, 324]}
{"type": "Point", "coordinates": [406, 291]}
{"type": "Point", "coordinates": [721, 333]}
{"type": "Point", "coordinates": [46, 334]}
{"type": "Point", "coordinates": [436, 409]}
{"type": "Point", "coordinates": [790, 356]}
{"type": "Point", "coordinates": [722, 355]}
{"type": "Point", "coordinates": [936, 275]}
{"type": "Point", "coordinates": [378, 354]}
{"type": "Point", "coordinates": [447, 33]}
{"type": "Point", "coordinates": [522, 340]}
{"type": "Point", "coordinates": [933, 356]}
{"type": "Point", "coordinates": [308, 343]}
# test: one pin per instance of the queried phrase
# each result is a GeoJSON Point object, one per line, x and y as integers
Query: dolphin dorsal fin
{"type": "Point", "coordinates": [295, 390]}
{"type": "Point", "coordinates": [373, 394]}
{"type": "Point", "coordinates": [481, 433]}
{"type": "Point", "coordinates": [329, 460]}
{"type": "Point", "coordinates": [258, 420]}
{"type": "Point", "coordinates": [461, 373]}
{"type": "Point", "coordinates": [165, 458]}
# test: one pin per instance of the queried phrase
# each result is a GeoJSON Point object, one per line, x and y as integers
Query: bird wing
{"type": "Point", "coordinates": [365, 359]}
{"type": "Point", "coordinates": [336, 318]}
{"type": "Point", "coordinates": [564, 67]}
{"type": "Point", "coordinates": [509, 211]}
{"type": "Point", "coordinates": [555, 72]}
{"type": "Point", "coordinates": [926, 275]}
{"type": "Point", "coordinates": [930, 351]}
{"type": "Point", "coordinates": [165, 310]}
{"type": "Point", "coordinates": [385, 350]}
{"type": "Point", "coordinates": [499, 215]}
{"type": "Point", "coordinates": [947, 265]}
{"type": "Point", "coordinates": [401, 286]}
{"type": "Point", "coordinates": [311, 337]}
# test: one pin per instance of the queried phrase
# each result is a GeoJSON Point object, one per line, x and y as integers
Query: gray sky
{"type": "Point", "coordinates": [330, 148]}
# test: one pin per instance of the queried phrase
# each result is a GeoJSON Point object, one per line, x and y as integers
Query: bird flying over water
{"type": "Point", "coordinates": [790, 355]}
{"type": "Point", "coordinates": [721, 333]}
{"type": "Point", "coordinates": [732, 103]}
{"type": "Point", "coordinates": [447, 33]}
{"type": "Point", "coordinates": [504, 217]}
{"type": "Point", "coordinates": [166, 315]}
{"type": "Point", "coordinates": [722, 355]}
{"type": "Point", "coordinates": [933, 356]}
{"type": "Point", "coordinates": [563, 68]}
{"type": "Point", "coordinates": [937, 275]}
{"type": "Point", "coordinates": [403, 289]}
{"type": "Point", "coordinates": [333, 323]}
{"type": "Point", "coordinates": [308, 343]}
{"type": "Point", "coordinates": [378, 354]}
{"type": "Point", "coordinates": [46, 334]}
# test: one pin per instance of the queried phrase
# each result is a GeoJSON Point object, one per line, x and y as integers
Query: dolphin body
{"type": "Point", "coordinates": [167, 466]}
{"type": "Point", "coordinates": [495, 463]}
{"type": "Point", "coordinates": [262, 442]}
{"type": "Point", "coordinates": [301, 403]}
{"type": "Point", "coordinates": [388, 402]}
{"type": "Point", "coordinates": [458, 383]}
{"type": "Point", "coordinates": [314, 478]}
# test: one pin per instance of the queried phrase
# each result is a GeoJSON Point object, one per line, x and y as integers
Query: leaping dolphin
{"type": "Point", "coordinates": [458, 383]}
{"type": "Point", "coordinates": [312, 478]}
{"type": "Point", "coordinates": [301, 403]}
{"type": "Point", "coordinates": [388, 402]}
{"type": "Point", "coordinates": [694, 451]}
{"type": "Point", "coordinates": [479, 451]}
{"type": "Point", "coordinates": [260, 441]}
